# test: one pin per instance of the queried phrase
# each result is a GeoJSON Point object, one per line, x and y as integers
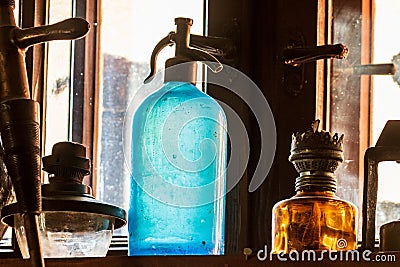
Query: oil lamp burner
{"type": "Point", "coordinates": [72, 222]}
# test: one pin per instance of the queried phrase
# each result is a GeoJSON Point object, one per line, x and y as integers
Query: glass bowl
{"type": "Point", "coordinates": [69, 234]}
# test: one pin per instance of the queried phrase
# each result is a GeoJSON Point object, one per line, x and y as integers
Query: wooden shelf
{"type": "Point", "coordinates": [195, 261]}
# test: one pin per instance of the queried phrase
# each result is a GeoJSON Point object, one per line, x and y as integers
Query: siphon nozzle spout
{"type": "Point", "coordinates": [191, 48]}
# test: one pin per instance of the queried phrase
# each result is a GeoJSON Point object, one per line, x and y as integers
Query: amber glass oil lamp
{"type": "Point", "coordinates": [315, 218]}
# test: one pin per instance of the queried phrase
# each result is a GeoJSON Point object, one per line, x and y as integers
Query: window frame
{"type": "Point", "coordinates": [358, 40]}
{"type": "Point", "coordinates": [259, 43]}
{"type": "Point", "coordinates": [85, 77]}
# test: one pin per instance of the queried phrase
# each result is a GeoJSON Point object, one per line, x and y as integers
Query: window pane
{"type": "Point", "coordinates": [129, 32]}
{"type": "Point", "coordinates": [58, 80]}
{"type": "Point", "coordinates": [348, 98]}
{"type": "Point", "coordinates": [386, 95]}
{"type": "Point", "coordinates": [345, 96]}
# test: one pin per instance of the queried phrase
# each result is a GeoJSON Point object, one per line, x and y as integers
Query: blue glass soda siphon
{"type": "Point", "coordinates": [178, 157]}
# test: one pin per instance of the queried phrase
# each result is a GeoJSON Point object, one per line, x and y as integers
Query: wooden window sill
{"type": "Point", "coordinates": [191, 261]}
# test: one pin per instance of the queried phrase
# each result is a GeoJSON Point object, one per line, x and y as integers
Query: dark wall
{"type": "Point", "coordinates": [264, 29]}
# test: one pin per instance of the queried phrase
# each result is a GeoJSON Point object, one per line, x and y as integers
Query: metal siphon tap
{"type": "Point", "coordinates": [19, 114]}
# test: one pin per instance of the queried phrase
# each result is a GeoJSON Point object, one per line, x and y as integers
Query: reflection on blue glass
{"type": "Point", "coordinates": [177, 204]}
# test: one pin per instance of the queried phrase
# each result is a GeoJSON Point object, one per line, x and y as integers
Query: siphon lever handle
{"type": "Point", "coordinates": [166, 41]}
{"type": "Point", "coordinates": [69, 29]}
{"type": "Point", "coordinates": [214, 45]}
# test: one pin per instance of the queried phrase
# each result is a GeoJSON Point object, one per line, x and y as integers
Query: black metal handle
{"type": "Point", "coordinates": [299, 55]}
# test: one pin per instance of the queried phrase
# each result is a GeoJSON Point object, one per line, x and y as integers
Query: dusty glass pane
{"type": "Point", "coordinates": [129, 31]}
{"type": "Point", "coordinates": [345, 101]}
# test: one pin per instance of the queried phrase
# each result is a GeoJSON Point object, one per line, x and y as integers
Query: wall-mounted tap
{"type": "Point", "coordinates": [19, 114]}
{"type": "Point", "coordinates": [295, 56]}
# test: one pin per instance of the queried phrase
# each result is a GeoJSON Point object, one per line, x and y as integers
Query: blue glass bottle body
{"type": "Point", "coordinates": [177, 204]}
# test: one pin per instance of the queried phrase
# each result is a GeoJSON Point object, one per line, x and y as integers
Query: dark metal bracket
{"type": "Point", "coordinates": [293, 76]}
{"type": "Point", "coordinates": [387, 149]}
{"type": "Point", "coordinates": [295, 55]}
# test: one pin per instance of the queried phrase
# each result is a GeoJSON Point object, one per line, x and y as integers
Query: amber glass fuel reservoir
{"type": "Point", "coordinates": [315, 218]}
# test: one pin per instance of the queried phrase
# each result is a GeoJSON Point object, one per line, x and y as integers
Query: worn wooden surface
{"type": "Point", "coordinates": [195, 261]}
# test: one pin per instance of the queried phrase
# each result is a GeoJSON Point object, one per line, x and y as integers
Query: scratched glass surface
{"type": "Point", "coordinates": [344, 102]}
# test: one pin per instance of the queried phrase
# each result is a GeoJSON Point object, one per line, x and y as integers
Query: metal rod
{"type": "Point", "coordinates": [32, 237]}
{"type": "Point", "coordinates": [374, 69]}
